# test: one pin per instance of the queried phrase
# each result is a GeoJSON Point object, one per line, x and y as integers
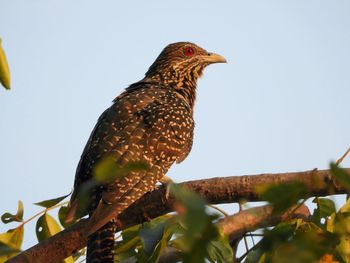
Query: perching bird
{"type": "Point", "coordinates": [151, 122]}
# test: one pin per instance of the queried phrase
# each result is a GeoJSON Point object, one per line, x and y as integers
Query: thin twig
{"type": "Point", "coordinates": [254, 235]}
{"type": "Point", "coordinates": [247, 252]}
{"type": "Point", "coordinates": [219, 209]}
{"type": "Point", "coordinates": [343, 157]}
{"type": "Point", "coordinates": [244, 238]}
{"type": "Point", "coordinates": [339, 162]}
{"type": "Point", "coordinates": [297, 207]}
{"type": "Point", "coordinates": [42, 212]}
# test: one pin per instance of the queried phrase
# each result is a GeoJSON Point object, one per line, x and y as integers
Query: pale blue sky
{"type": "Point", "coordinates": [280, 104]}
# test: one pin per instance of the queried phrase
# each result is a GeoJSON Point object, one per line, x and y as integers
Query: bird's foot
{"type": "Point", "coordinates": [166, 181]}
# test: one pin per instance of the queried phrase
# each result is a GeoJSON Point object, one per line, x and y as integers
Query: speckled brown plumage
{"type": "Point", "coordinates": [151, 122]}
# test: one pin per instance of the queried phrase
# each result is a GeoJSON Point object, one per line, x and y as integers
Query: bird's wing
{"type": "Point", "coordinates": [162, 135]}
{"type": "Point", "coordinates": [139, 126]}
{"type": "Point", "coordinates": [110, 136]}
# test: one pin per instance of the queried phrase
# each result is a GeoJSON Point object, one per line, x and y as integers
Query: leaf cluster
{"type": "Point", "coordinates": [192, 233]}
{"type": "Point", "coordinates": [323, 237]}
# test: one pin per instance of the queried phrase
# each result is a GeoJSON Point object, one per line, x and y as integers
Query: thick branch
{"type": "Point", "coordinates": [216, 190]}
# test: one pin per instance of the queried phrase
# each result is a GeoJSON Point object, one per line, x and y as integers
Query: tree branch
{"type": "Point", "coordinates": [235, 226]}
{"type": "Point", "coordinates": [215, 190]}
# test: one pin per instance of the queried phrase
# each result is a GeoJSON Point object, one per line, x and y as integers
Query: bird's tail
{"type": "Point", "coordinates": [100, 245]}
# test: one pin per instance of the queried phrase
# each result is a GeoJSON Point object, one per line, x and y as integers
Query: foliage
{"type": "Point", "coordinates": [288, 194]}
{"type": "Point", "coordinates": [107, 170]}
{"type": "Point", "coordinates": [191, 231]}
{"type": "Point", "coordinates": [325, 237]}
{"type": "Point", "coordinates": [46, 226]}
{"type": "Point", "coordinates": [5, 79]}
{"type": "Point", "coordinates": [18, 217]}
{"type": "Point", "coordinates": [193, 234]}
{"type": "Point", "coordinates": [51, 202]}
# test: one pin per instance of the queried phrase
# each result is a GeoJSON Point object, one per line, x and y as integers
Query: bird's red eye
{"type": "Point", "coordinates": [189, 51]}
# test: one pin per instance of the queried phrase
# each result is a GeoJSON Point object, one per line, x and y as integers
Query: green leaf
{"type": "Point", "coordinates": [62, 213]}
{"type": "Point", "coordinates": [128, 245]}
{"type": "Point", "coordinates": [195, 217]}
{"type": "Point", "coordinates": [131, 239]}
{"type": "Point", "coordinates": [108, 170]}
{"type": "Point", "coordinates": [13, 238]}
{"type": "Point", "coordinates": [344, 247]}
{"type": "Point", "coordinates": [346, 207]}
{"type": "Point", "coordinates": [256, 255]}
{"type": "Point", "coordinates": [130, 232]}
{"type": "Point", "coordinates": [325, 208]}
{"type": "Point", "coordinates": [69, 259]}
{"type": "Point", "coordinates": [105, 171]}
{"type": "Point", "coordinates": [135, 166]}
{"type": "Point", "coordinates": [279, 234]}
{"type": "Point", "coordinates": [220, 250]}
{"type": "Point", "coordinates": [341, 176]}
{"type": "Point", "coordinates": [151, 236]}
{"type": "Point", "coordinates": [188, 198]}
{"type": "Point", "coordinates": [6, 251]}
{"type": "Point", "coordinates": [283, 196]}
{"type": "Point", "coordinates": [146, 243]}
{"type": "Point", "coordinates": [51, 202]}
{"type": "Point", "coordinates": [83, 197]}
{"type": "Point", "coordinates": [10, 243]}
{"type": "Point", "coordinates": [156, 235]}
{"type": "Point", "coordinates": [341, 227]}
{"type": "Point", "coordinates": [296, 242]}
{"type": "Point", "coordinates": [203, 248]}
{"type": "Point", "coordinates": [5, 78]}
{"type": "Point", "coordinates": [199, 229]}
{"type": "Point", "coordinates": [46, 226]}
{"type": "Point", "coordinates": [127, 256]}
{"type": "Point", "coordinates": [18, 217]}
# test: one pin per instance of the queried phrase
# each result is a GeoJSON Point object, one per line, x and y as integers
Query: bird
{"type": "Point", "coordinates": [151, 121]}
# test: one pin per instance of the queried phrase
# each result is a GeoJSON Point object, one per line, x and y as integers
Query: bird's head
{"type": "Point", "coordinates": [180, 64]}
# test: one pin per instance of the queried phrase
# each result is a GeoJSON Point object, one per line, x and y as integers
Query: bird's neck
{"type": "Point", "coordinates": [186, 88]}
{"type": "Point", "coordinates": [184, 83]}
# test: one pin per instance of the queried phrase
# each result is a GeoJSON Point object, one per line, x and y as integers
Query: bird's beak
{"type": "Point", "coordinates": [213, 58]}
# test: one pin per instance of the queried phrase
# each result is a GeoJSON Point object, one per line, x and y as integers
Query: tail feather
{"type": "Point", "coordinates": [100, 246]}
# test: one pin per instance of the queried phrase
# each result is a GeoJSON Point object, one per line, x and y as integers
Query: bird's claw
{"type": "Point", "coordinates": [166, 181]}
